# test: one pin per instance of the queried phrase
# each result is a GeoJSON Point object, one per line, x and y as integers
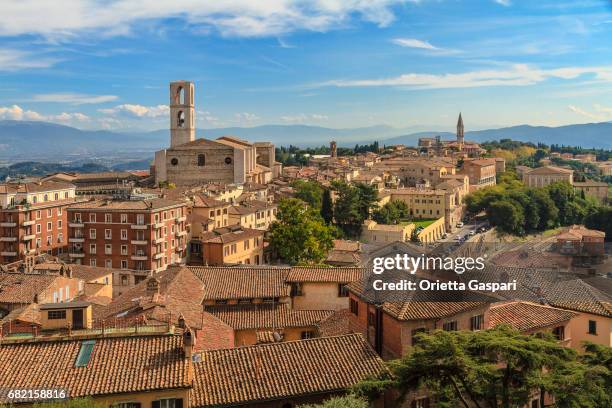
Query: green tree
{"type": "Point", "coordinates": [499, 367]}
{"type": "Point", "coordinates": [327, 207]}
{"type": "Point", "coordinates": [346, 209]}
{"type": "Point", "coordinates": [299, 234]}
{"type": "Point", "coordinates": [309, 191]}
{"type": "Point", "coordinates": [601, 219]}
{"type": "Point", "coordinates": [348, 401]}
{"type": "Point", "coordinates": [391, 213]}
{"type": "Point", "coordinates": [368, 199]}
{"type": "Point", "coordinates": [507, 215]}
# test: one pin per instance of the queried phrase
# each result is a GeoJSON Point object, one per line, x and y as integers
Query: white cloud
{"type": "Point", "coordinates": [243, 18]}
{"type": "Point", "coordinates": [73, 98]}
{"type": "Point", "coordinates": [602, 113]}
{"type": "Point", "coordinates": [16, 112]}
{"type": "Point", "coordinates": [514, 75]}
{"type": "Point", "coordinates": [413, 43]}
{"type": "Point", "coordinates": [303, 117]}
{"type": "Point", "coordinates": [505, 3]}
{"type": "Point", "coordinates": [139, 111]}
{"type": "Point", "coordinates": [246, 117]}
{"type": "Point", "coordinates": [14, 60]}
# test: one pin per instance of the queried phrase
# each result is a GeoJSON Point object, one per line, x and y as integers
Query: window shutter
{"type": "Point", "coordinates": [178, 403]}
{"type": "Point", "coordinates": [155, 404]}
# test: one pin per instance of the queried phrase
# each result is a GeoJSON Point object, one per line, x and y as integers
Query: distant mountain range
{"type": "Point", "coordinates": [28, 140]}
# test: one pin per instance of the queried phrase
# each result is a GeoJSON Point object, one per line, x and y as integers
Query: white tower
{"type": "Point", "coordinates": [182, 113]}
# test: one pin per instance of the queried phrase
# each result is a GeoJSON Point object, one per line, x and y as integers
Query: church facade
{"type": "Point", "coordinates": [190, 161]}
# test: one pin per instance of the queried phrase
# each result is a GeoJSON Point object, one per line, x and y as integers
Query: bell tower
{"type": "Point", "coordinates": [460, 132]}
{"type": "Point", "coordinates": [182, 113]}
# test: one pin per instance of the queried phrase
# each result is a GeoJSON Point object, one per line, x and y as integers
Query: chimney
{"type": "Point", "coordinates": [188, 343]}
{"type": "Point", "coordinates": [152, 286]}
{"type": "Point", "coordinates": [181, 321]}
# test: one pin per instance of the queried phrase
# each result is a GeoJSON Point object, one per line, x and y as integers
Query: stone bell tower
{"type": "Point", "coordinates": [460, 132]}
{"type": "Point", "coordinates": [182, 113]}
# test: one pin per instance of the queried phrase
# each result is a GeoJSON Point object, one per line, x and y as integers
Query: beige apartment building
{"type": "Point", "coordinates": [543, 176]}
{"type": "Point", "coordinates": [480, 171]}
{"type": "Point", "coordinates": [595, 189]}
{"type": "Point", "coordinates": [229, 246]}
{"type": "Point", "coordinates": [207, 214]}
{"type": "Point", "coordinates": [253, 214]}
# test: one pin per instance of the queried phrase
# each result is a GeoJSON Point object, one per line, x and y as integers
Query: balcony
{"type": "Point", "coordinates": [8, 239]}
{"type": "Point", "coordinates": [28, 237]}
{"type": "Point", "coordinates": [77, 254]}
{"type": "Point", "coordinates": [159, 240]}
{"type": "Point", "coordinates": [8, 253]}
{"type": "Point", "coordinates": [8, 224]}
{"type": "Point", "coordinates": [139, 242]}
{"type": "Point", "coordinates": [141, 256]}
{"type": "Point", "coordinates": [181, 219]}
{"type": "Point", "coordinates": [158, 255]}
{"type": "Point", "coordinates": [139, 226]}
{"type": "Point", "coordinates": [76, 224]}
{"type": "Point", "coordinates": [181, 233]}
{"type": "Point", "coordinates": [158, 225]}
{"type": "Point", "coordinates": [76, 239]}
{"type": "Point", "coordinates": [28, 223]}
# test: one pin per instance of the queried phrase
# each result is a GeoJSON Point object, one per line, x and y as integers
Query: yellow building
{"type": "Point", "coordinates": [595, 189]}
{"type": "Point", "coordinates": [543, 176]}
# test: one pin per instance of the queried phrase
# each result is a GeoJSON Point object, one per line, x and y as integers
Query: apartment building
{"type": "Point", "coordinates": [481, 172]}
{"type": "Point", "coordinates": [254, 214]}
{"type": "Point", "coordinates": [33, 218]}
{"type": "Point", "coordinates": [142, 235]}
{"type": "Point", "coordinates": [208, 213]}
{"type": "Point", "coordinates": [231, 245]}
{"type": "Point", "coordinates": [592, 188]}
{"type": "Point", "coordinates": [543, 176]}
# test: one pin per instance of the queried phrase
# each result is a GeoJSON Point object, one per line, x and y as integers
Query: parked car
{"type": "Point", "coordinates": [444, 236]}
{"type": "Point", "coordinates": [472, 233]}
{"type": "Point", "coordinates": [459, 225]}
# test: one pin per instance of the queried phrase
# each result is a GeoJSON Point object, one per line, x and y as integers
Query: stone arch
{"type": "Point", "coordinates": [180, 95]}
{"type": "Point", "coordinates": [180, 119]}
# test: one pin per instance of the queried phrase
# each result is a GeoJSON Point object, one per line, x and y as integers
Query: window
{"type": "Point", "coordinates": [124, 249]}
{"type": "Point", "coordinates": [140, 219]}
{"type": "Point", "coordinates": [354, 306]}
{"type": "Point", "coordinates": [124, 280]}
{"type": "Point", "coordinates": [124, 264]}
{"type": "Point", "coordinates": [92, 217]}
{"type": "Point", "coordinates": [50, 212]}
{"type": "Point", "coordinates": [296, 289]}
{"type": "Point", "coordinates": [85, 353]}
{"type": "Point", "coordinates": [108, 234]}
{"type": "Point", "coordinates": [108, 263]}
{"type": "Point", "coordinates": [124, 234]}
{"type": "Point", "coordinates": [476, 322]}
{"type": "Point", "coordinates": [59, 224]}
{"type": "Point", "coordinates": [49, 226]}
{"type": "Point", "coordinates": [92, 262]}
{"type": "Point", "coordinates": [228, 160]}
{"type": "Point", "coordinates": [420, 403]}
{"type": "Point", "coordinates": [168, 403]}
{"type": "Point", "coordinates": [559, 332]}
{"type": "Point", "coordinates": [92, 249]}
{"type": "Point", "coordinates": [342, 290]}
{"type": "Point", "coordinates": [108, 249]}
{"type": "Point", "coordinates": [38, 228]}
{"type": "Point", "coordinates": [92, 233]}
{"type": "Point", "coordinates": [56, 314]}
{"type": "Point", "coordinates": [60, 211]}
{"type": "Point", "coordinates": [124, 219]}
{"type": "Point", "coordinates": [371, 318]}
{"type": "Point", "coordinates": [246, 244]}
{"type": "Point", "coordinates": [450, 326]}
{"type": "Point", "coordinates": [592, 327]}
{"type": "Point", "coordinates": [108, 218]}
{"type": "Point", "coordinates": [308, 334]}
{"type": "Point", "coordinates": [201, 160]}
{"type": "Point", "coordinates": [174, 161]}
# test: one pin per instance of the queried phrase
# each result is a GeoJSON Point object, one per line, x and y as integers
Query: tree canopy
{"type": "Point", "coordinates": [299, 234]}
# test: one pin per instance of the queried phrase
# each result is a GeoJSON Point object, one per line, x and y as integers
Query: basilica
{"type": "Point", "coordinates": [190, 161]}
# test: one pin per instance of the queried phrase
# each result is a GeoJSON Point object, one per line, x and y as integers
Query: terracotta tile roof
{"type": "Point", "coordinates": [336, 324]}
{"type": "Point", "coordinates": [266, 316]}
{"type": "Point", "coordinates": [230, 234]}
{"type": "Point", "coordinates": [180, 292]}
{"type": "Point", "coordinates": [116, 365]}
{"type": "Point", "coordinates": [268, 372]}
{"type": "Point", "coordinates": [345, 245]}
{"type": "Point", "coordinates": [343, 257]}
{"type": "Point", "coordinates": [34, 187]}
{"type": "Point", "coordinates": [201, 200]}
{"type": "Point", "coordinates": [22, 288]}
{"type": "Point", "coordinates": [579, 296]}
{"type": "Point", "coordinates": [312, 274]}
{"type": "Point", "coordinates": [550, 170]}
{"type": "Point", "coordinates": [90, 273]}
{"type": "Point", "coordinates": [138, 205]}
{"type": "Point", "coordinates": [527, 316]}
{"type": "Point", "coordinates": [27, 314]}
{"type": "Point", "coordinates": [242, 282]}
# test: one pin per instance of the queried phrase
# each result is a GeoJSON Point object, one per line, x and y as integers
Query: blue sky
{"type": "Point", "coordinates": [338, 63]}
